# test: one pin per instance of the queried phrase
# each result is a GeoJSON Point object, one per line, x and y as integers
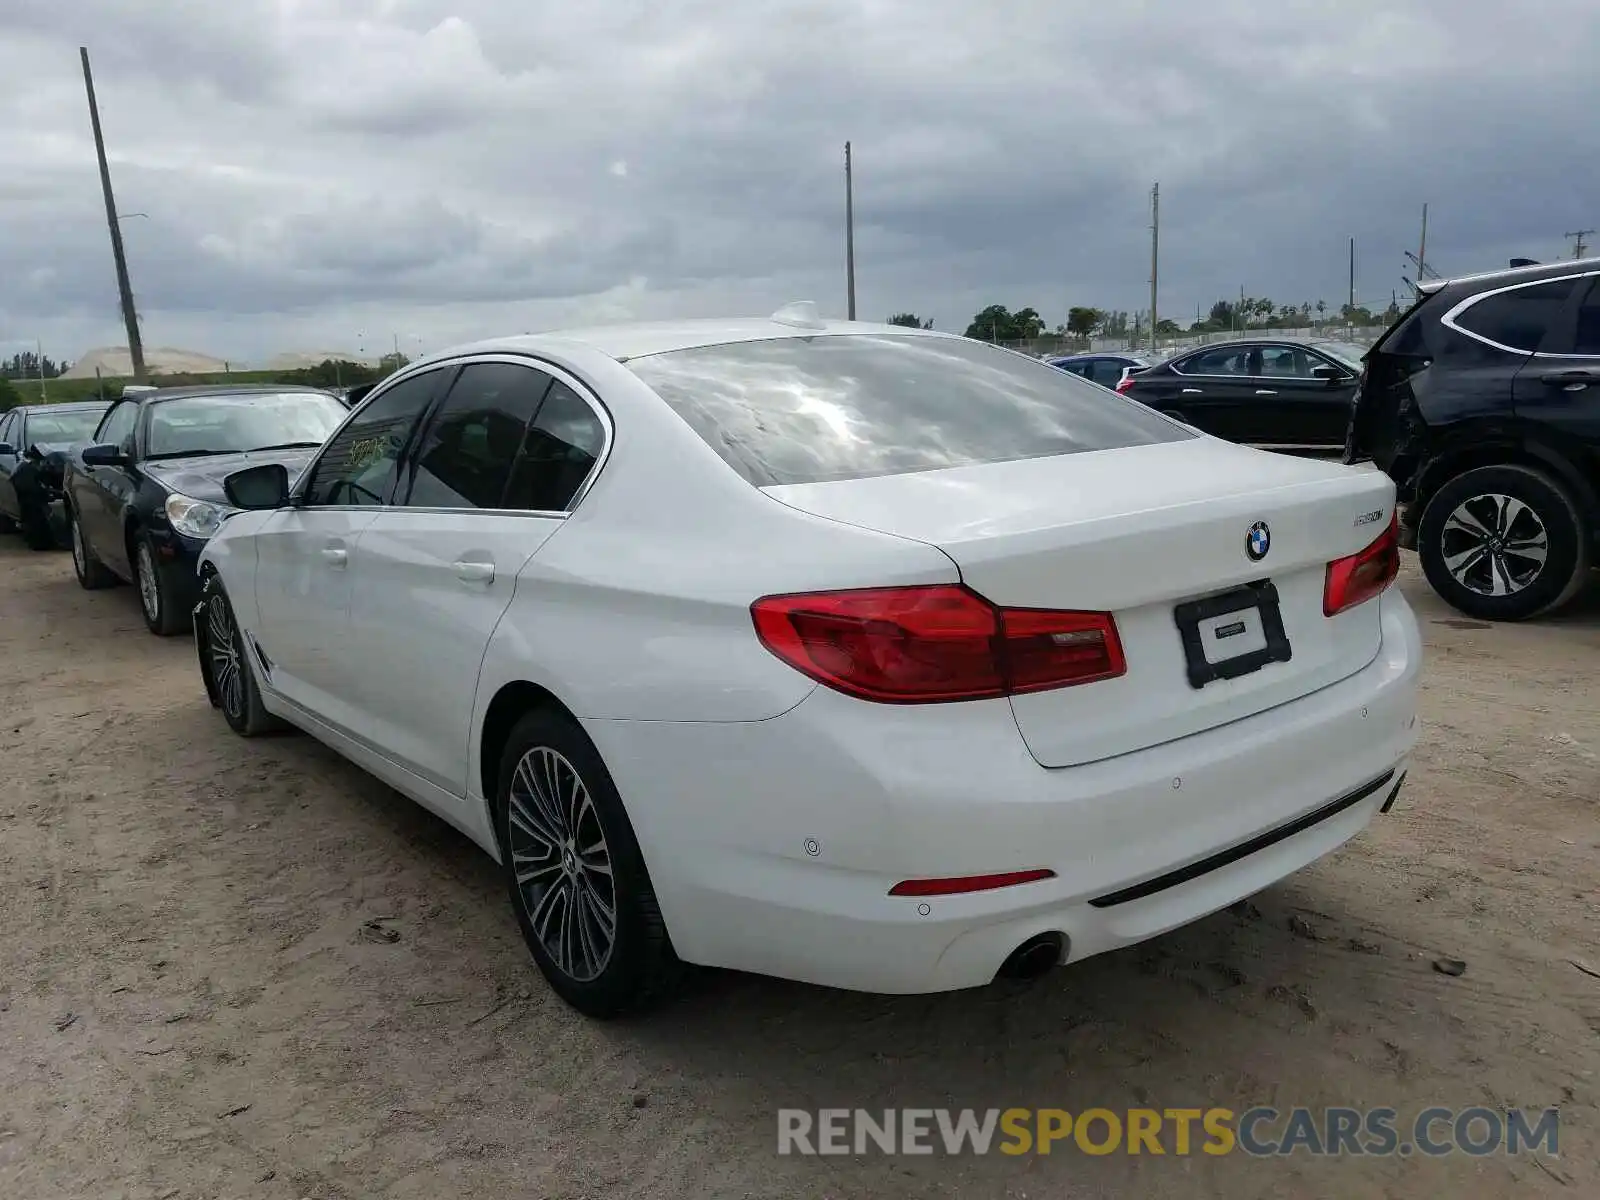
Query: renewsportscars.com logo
{"type": "Point", "coordinates": [1259, 1132]}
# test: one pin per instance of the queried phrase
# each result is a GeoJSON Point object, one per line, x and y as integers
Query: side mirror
{"type": "Point", "coordinates": [266, 486]}
{"type": "Point", "coordinates": [1327, 374]}
{"type": "Point", "coordinates": [6, 448]}
{"type": "Point", "coordinates": [104, 456]}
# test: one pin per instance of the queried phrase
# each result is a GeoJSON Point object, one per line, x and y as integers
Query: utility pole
{"type": "Point", "coordinates": [1422, 249]}
{"type": "Point", "coordinates": [38, 349]}
{"type": "Point", "coordinates": [849, 236]}
{"type": "Point", "coordinates": [1352, 274]}
{"type": "Point", "coordinates": [1578, 247]}
{"type": "Point", "coordinates": [1155, 257]}
{"type": "Point", "coordinates": [129, 316]}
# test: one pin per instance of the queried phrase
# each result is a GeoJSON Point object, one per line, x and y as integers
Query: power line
{"type": "Point", "coordinates": [1577, 238]}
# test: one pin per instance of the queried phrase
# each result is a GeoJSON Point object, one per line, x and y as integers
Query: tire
{"type": "Point", "coordinates": [561, 850]}
{"type": "Point", "coordinates": [225, 666]}
{"type": "Point", "coordinates": [7, 525]}
{"type": "Point", "coordinates": [1473, 528]}
{"type": "Point", "coordinates": [157, 596]}
{"type": "Point", "coordinates": [91, 572]}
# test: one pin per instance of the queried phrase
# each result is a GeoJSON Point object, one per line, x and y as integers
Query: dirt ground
{"type": "Point", "coordinates": [191, 1004]}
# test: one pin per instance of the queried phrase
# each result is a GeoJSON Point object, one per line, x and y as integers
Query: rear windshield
{"type": "Point", "coordinates": [813, 410]}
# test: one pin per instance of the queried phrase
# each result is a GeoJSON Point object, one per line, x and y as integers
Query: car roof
{"type": "Point", "coordinates": [64, 406]}
{"type": "Point", "coordinates": [637, 340]}
{"type": "Point", "coordinates": [1512, 275]}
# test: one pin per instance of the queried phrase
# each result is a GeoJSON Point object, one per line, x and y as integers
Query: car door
{"type": "Point", "coordinates": [1213, 390]}
{"type": "Point", "coordinates": [305, 553]}
{"type": "Point", "coordinates": [494, 471]}
{"type": "Point", "coordinates": [10, 455]}
{"type": "Point", "coordinates": [100, 491]}
{"type": "Point", "coordinates": [1293, 407]}
{"type": "Point", "coordinates": [1559, 387]}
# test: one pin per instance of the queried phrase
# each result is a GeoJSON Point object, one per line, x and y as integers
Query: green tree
{"type": "Point", "coordinates": [1082, 321]}
{"type": "Point", "coordinates": [9, 398]}
{"type": "Point", "coordinates": [997, 323]}
{"type": "Point", "coordinates": [1167, 328]}
{"type": "Point", "coordinates": [909, 321]}
{"type": "Point", "coordinates": [1221, 315]}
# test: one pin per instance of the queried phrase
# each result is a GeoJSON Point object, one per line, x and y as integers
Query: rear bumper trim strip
{"type": "Point", "coordinates": [1233, 854]}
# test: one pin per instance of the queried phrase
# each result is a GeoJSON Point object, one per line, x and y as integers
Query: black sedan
{"type": "Point", "coordinates": [1262, 392]}
{"type": "Point", "coordinates": [34, 443]}
{"type": "Point", "coordinates": [143, 498]}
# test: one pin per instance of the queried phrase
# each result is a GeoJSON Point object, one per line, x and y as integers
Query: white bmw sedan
{"type": "Point", "coordinates": [871, 657]}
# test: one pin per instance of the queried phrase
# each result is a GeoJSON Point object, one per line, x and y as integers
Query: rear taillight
{"type": "Point", "coordinates": [1125, 385]}
{"type": "Point", "coordinates": [1358, 578]}
{"type": "Point", "coordinates": [922, 645]}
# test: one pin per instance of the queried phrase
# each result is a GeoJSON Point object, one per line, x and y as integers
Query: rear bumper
{"type": "Point", "coordinates": [773, 844]}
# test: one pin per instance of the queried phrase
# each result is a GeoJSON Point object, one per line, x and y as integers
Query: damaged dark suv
{"type": "Point", "coordinates": [1482, 403]}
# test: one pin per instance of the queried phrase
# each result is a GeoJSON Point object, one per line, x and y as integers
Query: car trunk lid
{"type": "Point", "coordinates": [1139, 532]}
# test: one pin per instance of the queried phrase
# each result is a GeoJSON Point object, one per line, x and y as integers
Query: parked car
{"type": "Point", "coordinates": [34, 442]}
{"type": "Point", "coordinates": [1107, 370]}
{"type": "Point", "coordinates": [826, 651]}
{"type": "Point", "coordinates": [1482, 404]}
{"type": "Point", "coordinates": [1259, 391]}
{"type": "Point", "coordinates": [144, 496]}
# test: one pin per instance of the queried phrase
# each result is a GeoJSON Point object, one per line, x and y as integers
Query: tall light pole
{"type": "Point", "coordinates": [1155, 257]}
{"type": "Point", "coordinates": [129, 316]}
{"type": "Point", "coordinates": [849, 236]}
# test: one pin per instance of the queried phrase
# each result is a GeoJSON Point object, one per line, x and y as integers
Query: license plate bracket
{"type": "Point", "coordinates": [1259, 598]}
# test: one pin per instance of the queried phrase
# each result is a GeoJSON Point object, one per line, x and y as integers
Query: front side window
{"type": "Point", "coordinates": [815, 409]}
{"type": "Point", "coordinates": [359, 464]}
{"type": "Point", "coordinates": [473, 441]}
{"type": "Point", "coordinates": [1287, 362]}
{"type": "Point", "coordinates": [118, 425]}
{"type": "Point", "coordinates": [1516, 320]}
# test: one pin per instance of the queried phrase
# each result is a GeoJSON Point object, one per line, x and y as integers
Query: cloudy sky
{"type": "Point", "coordinates": [333, 174]}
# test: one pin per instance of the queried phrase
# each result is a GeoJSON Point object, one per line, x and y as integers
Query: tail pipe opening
{"type": "Point", "coordinates": [1034, 957]}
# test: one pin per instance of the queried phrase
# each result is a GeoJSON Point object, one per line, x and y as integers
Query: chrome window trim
{"type": "Point", "coordinates": [515, 358]}
{"type": "Point", "coordinates": [1305, 346]}
{"type": "Point", "coordinates": [1449, 318]}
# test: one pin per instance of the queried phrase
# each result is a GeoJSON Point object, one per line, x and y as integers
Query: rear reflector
{"type": "Point", "coordinates": [1358, 578]}
{"type": "Point", "coordinates": [968, 883]}
{"type": "Point", "coordinates": [941, 642]}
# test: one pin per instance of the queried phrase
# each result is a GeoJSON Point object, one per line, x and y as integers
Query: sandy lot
{"type": "Point", "coordinates": [190, 1005]}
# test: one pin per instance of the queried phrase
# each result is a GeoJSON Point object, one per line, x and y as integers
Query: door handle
{"type": "Point", "coordinates": [474, 571]}
{"type": "Point", "coordinates": [335, 556]}
{"type": "Point", "coordinates": [1265, 392]}
{"type": "Point", "coordinates": [1570, 381]}
{"type": "Point", "coordinates": [1192, 392]}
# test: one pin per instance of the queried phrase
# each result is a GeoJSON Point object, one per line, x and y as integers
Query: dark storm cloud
{"type": "Point", "coordinates": [471, 166]}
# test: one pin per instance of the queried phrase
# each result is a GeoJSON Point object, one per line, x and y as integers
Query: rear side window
{"type": "Point", "coordinates": [558, 453]}
{"type": "Point", "coordinates": [812, 410]}
{"type": "Point", "coordinates": [1516, 320]}
{"type": "Point", "coordinates": [472, 442]}
{"type": "Point", "coordinates": [1216, 362]}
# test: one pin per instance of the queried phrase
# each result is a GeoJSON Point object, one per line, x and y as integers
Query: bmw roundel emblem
{"type": "Point", "coordinates": [1258, 541]}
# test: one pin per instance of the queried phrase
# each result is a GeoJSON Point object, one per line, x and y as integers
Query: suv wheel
{"type": "Point", "coordinates": [1503, 543]}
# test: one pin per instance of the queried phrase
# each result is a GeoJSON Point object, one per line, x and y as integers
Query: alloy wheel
{"type": "Point", "coordinates": [79, 560]}
{"type": "Point", "coordinates": [223, 649]}
{"type": "Point", "coordinates": [562, 864]}
{"type": "Point", "coordinates": [1494, 544]}
{"type": "Point", "coordinates": [149, 589]}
